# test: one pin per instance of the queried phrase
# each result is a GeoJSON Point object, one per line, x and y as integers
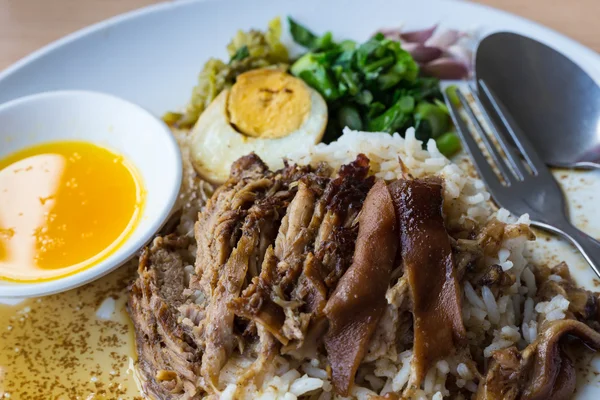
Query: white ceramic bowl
{"type": "Point", "coordinates": [111, 122]}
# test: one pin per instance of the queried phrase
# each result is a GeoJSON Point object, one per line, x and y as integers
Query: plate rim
{"type": "Point", "coordinates": [585, 55]}
{"type": "Point", "coordinates": [168, 4]}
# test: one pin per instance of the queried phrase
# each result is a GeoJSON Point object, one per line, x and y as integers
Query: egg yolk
{"type": "Point", "coordinates": [268, 103]}
{"type": "Point", "coordinates": [64, 206]}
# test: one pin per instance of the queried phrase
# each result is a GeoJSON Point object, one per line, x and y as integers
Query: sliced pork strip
{"type": "Point", "coordinates": [168, 358]}
{"type": "Point", "coordinates": [219, 321]}
{"type": "Point", "coordinates": [542, 371]}
{"type": "Point", "coordinates": [291, 249]}
{"type": "Point", "coordinates": [255, 303]}
{"type": "Point", "coordinates": [267, 297]}
{"type": "Point", "coordinates": [429, 267]}
{"type": "Point", "coordinates": [277, 293]}
{"type": "Point", "coordinates": [225, 229]}
{"type": "Point", "coordinates": [311, 289]}
{"type": "Point", "coordinates": [267, 349]}
{"type": "Point", "coordinates": [553, 376]}
{"type": "Point", "coordinates": [264, 213]}
{"type": "Point", "coordinates": [218, 226]}
{"type": "Point", "coordinates": [336, 215]}
{"type": "Point", "coordinates": [566, 379]}
{"type": "Point", "coordinates": [336, 238]}
{"type": "Point", "coordinates": [358, 302]}
{"type": "Point", "coordinates": [311, 295]}
{"type": "Point", "coordinates": [290, 176]}
{"type": "Point", "coordinates": [293, 236]}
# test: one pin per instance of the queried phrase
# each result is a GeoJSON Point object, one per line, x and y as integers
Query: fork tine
{"type": "Point", "coordinates": [483, 167]}
{"type": "Point", "coordinates": [493, 152]}
{"type": "Point", "coordinates": [512, 156]}
{"type": "Point", "coordinates": [527, 150]}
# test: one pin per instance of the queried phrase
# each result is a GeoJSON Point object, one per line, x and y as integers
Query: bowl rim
{"type": "Point", "coordinates": [10, 289]}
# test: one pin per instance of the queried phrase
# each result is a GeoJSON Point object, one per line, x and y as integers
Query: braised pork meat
{"type": "Point", "coordinates": [349, 275]}
{"type": "Point", "coordinates": [542, 371]}
{"type": "Point", "coordinates": [429, 267]}
{"type": "Point", "coordinates": [358, 302]}
{"type": "Point", "coordinates": [169, 358]}
{"type": "Point", "coordinates": [270, 249]}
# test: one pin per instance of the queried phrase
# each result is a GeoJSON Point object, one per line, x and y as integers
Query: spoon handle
{"type": "Point", "coordinates": [587, 245]}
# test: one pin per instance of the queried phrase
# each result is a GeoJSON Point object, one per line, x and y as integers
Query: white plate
{"type": "Point", "coordinates": [152, 57]}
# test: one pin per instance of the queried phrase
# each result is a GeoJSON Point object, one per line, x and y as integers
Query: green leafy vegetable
{"type": "Point", "coordinates": [374, 85]}
{"type": "Point", "coordinates": [313, 71]}
{"type": "Point", "coordinates": [306, 38]}
{"type": "Point", "coordinates": [349, 116]}
{"type": "Point", "coordinates": [240, 54]}
{"type": "Point", "coordinates": [436, 118]}
{"type": "Point", "coordinates": [394, 117]}
{"type": "Point", "coordinates": [247, 51]}
{"type": "Point", "coordinates": [171, 118]}
{"type": "Point", "coordinates": [302, 36]}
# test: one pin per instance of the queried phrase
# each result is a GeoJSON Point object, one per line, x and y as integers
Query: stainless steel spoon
{"type": "Point", "coordinates": [553, 100]}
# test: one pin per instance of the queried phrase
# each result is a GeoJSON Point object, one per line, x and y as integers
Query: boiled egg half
{"type": "Point", "coordinates": [266, 111]}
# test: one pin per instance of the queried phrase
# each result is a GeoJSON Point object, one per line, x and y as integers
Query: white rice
{"type": "Point", "coordinates": [529, 280]}
{"type": "Point", "coordinates": [443, 367]}
{"type": "Point", "coordinates": [315, 372]}
{"type": "Point", "coordinates": [305, 384]}
{"type": "Point", "coordinates": [464, 372]}
{"type": "Point", "coordinates": [472, 296]}
{"type": "Point", "coordinates": [554, 309]}
{"type": "Point", "coordinates": [491, 305]}
{"type": "Point", "coordinates": [106, 310]}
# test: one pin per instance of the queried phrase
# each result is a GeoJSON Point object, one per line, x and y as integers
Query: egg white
{"type": "Point", "coordinates": [215, 144]}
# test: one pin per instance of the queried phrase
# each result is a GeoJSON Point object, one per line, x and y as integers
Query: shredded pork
{"type": "Point", "coordinates": [339, 270]}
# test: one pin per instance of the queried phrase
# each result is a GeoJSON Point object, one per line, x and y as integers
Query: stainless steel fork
{"type": "Point", "coordinates": [527, 185]}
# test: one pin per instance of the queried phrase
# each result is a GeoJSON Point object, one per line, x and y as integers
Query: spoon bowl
{"type": "Point", "coordinates": [552, 99]}
{"type": "Point", "coordinates": [111, 122]}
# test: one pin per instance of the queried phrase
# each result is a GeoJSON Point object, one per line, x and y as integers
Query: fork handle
{"type": "Point", "coordinates": [587, 245]}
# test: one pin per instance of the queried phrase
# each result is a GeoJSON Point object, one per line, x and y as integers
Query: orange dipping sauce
{"type": "Point", "coordinates": [64, 206]}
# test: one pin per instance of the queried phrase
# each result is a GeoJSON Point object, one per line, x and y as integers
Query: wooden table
{"type": "Point", "coordinates": [26, 25]}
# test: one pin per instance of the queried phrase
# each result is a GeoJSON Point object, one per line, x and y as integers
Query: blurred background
{"type": "Point", "coordinates": [26, 25]}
